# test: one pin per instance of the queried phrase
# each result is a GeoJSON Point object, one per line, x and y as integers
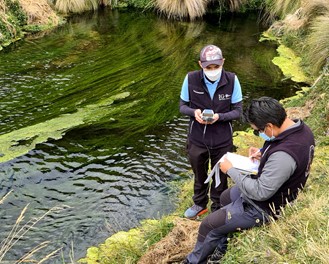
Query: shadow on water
{"type": "Point", "coordinates": [111, 168]}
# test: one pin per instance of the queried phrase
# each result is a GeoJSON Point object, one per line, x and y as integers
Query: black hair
{"type": "Point", "coordinates": [263, 111]}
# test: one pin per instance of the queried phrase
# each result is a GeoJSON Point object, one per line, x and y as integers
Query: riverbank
{"type": "Point", "coordinates": [297, 237]}
{"type": "Point", "coordinates": [301, 236]}
{"type": "Point", "coordinates": [21, 18]}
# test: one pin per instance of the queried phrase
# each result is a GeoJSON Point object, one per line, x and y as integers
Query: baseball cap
{"type": "Point", "coordinates": [211, 54]}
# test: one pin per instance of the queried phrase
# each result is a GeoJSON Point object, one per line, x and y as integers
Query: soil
{"type": "Point", "coordinates": [300, 112]}
{"type": "Point", "coordinates": [175, 246]}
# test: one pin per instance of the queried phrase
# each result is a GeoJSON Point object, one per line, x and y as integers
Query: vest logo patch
{"type": "Point", "coordinates": [223, 97]}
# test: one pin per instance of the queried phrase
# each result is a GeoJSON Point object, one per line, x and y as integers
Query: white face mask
{"type": "Point", "coordinates": [213, 75]}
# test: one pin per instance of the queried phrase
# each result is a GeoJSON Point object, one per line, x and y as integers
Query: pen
{"type": "Point", "coordinates": [252, 155]}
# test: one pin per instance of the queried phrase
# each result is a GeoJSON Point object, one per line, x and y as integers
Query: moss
{"type": "Point", "coordinates": [35, 28]}
{"type": "Point", "coordinates": [267, 36]}
{"type": "Point", "coordinates": [92, 256]}
{"type": "Point", "coordinates": [289, 63]}
{"type": "Point", "coordinates": [127, 247]}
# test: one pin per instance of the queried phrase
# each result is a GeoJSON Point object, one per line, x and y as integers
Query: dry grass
{"type": "Point", "coordinates": [318, 42]}
{"type": "Point", "coordinates": [5, 197]}
{"type": "Point", "coordinates": [280, 8]}
{"type": "Point", "coordinates": [296, 15]}
{"type": "Point", "coordinates": [191, 9]}
{"type": "Point", "coordinates": [19, 230]}
{"type": "Point", "coordinates": [76, 6]}
{"type": "Point", "coordinates": [175, 246]}
{"type": "Point", "coordinates": [234, 5]}
{"type": "Point", "coordinates": [2, 6]}
{"type": "Point", "coordinates": [39, 12]}
{"type": "Point", "coordinates": [182, 8]}
{"type": "Point", "coordinates": [315, 8]}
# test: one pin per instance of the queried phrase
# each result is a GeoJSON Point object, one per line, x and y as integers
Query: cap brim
{"type": "Point", "coordinates": [215, 62]}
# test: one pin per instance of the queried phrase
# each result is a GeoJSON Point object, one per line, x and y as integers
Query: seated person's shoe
{"type": "Point", "coordinates": [194, 211]}
{"type": "Point", "coordinates": [215, 257]}
{"type": "Point", "coordinates": [215, 207]}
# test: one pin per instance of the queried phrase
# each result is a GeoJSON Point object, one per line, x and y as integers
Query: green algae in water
{"type": "Point", "coordinates": [21, 141]}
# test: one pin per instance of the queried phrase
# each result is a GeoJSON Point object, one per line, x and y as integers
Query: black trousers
{"type": "Point", "coordinates": [199, 158]}
{"type": "Point", "coordinates": [236, 215]}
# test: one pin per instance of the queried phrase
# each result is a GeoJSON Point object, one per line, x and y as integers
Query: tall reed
{"type": "Point", "coordinates": [19, 230]}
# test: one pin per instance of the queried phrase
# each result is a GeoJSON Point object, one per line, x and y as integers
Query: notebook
{"type": "Point", "coordinates": [242, 163]}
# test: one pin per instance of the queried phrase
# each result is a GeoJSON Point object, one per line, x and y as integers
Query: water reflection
{"type": "Point", "coordinates": [113, 170]}
{"type": "Point", "coordinates": [103, 192]}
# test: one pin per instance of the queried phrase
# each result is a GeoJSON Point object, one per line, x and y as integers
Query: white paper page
{"type": "Point", "coordinates": [242, 163]}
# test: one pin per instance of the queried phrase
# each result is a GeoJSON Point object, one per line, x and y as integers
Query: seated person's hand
{"type": "Point", "coordinates": [254, 153]}
{"type": "Point", "coordinates": [225, 165]}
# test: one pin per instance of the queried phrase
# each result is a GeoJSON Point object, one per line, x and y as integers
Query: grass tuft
{"type": "Point", "coordinates": [182, 8]}
{"type": "Point", "coordinates": [192, 9]}
{"type": "Point", "coordinates": [318, 43]}
{"type": "Point", "coordinates": [280, 9]}
{"type": "Point", "coordinates": [76, 6]}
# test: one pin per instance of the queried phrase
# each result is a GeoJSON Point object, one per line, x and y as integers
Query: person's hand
{"type": "Point", "coordinates": [198, 114]}
{"type": "Point", "coordinates": [216, 117]}
{"type": "Point", "coordinates": [254, 153]}
{"type": "Point", "coordinates": [225, 165]}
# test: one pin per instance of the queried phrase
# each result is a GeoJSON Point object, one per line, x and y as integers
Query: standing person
{"type": "Point", "coordinates": [216, 89]}
{"type": "Point", "coordinates": [285, 161]}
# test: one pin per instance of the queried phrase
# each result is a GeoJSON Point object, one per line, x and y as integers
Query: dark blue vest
{"type": "Point", "coordinates": [299, 143]}
{"type": "Point", "coordinates": [218, 134]}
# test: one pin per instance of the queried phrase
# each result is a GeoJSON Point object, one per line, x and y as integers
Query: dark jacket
{"type": "Point", "coordinates": [299, 143]}
{"type": "Point", "coordinates": [218, 134]}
